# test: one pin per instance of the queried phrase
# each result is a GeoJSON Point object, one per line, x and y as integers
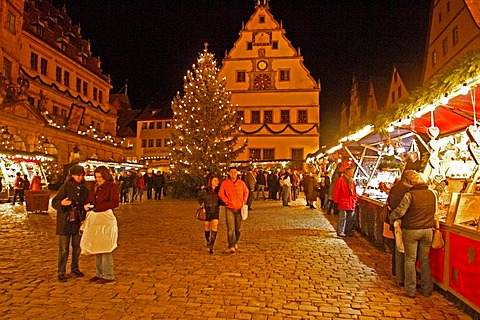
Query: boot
{"type": "Point", "coordinates": [207, 236]}
{"type": "Point", "coordinates": [213, 236]}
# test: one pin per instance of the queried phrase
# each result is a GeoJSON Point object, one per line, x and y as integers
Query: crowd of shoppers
{"type": "Point", "coordinates": [410, 200]}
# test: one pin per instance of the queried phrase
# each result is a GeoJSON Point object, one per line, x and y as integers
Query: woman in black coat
{"type": "Point", "coordinates": [211, 202]}
{"type": "Point", "coordinates": [69, 203]}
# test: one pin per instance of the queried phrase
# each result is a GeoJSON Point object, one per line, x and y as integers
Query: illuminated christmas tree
{"type": "Point", "coordinates": [206, 124]}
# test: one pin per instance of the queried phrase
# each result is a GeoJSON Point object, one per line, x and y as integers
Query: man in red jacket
{"type": "Point", "coordinates": [234, 194]}
{"type": "Point", "coordinates": [345, 195]}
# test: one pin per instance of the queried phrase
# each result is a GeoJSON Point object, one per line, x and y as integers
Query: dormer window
{"type": "Point", "coordinates": [83, 56]}
{"type": "Point", "coordinates": [49, 20]}
{"type": "Point", "coordinates": [40, 30]}
{"type": "Point", "coordinates": [63, 43]}
{"type": "Point", "coordinates": [70, 35]}
{"type": "Point", "coordinates": [261, 19]}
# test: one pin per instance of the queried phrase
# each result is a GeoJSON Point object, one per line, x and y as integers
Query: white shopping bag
{"type": "Point", "coordinates": [397, 225]}
{"type": "Point", "coordinates": [100, 233]}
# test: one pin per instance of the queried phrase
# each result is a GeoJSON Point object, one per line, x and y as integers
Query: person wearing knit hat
{"type": "Point", "coordinates": [69, 203]}
{"type": "Point", "coordinates": [76, 169]}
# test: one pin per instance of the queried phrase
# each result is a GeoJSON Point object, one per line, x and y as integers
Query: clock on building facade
{"type": "Point", "coordinates": [262, 65]}
{"type": "Point", "coordinates": [262, 82]}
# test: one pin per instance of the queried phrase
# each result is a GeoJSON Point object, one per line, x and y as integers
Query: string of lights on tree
{"type": "Point", "coordinates": [206, 124]}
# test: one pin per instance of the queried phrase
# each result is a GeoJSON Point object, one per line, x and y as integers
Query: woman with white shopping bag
{"type": "Point", "coordinates": [101, 232]}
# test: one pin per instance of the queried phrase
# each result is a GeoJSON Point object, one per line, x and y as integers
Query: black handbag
{"type": "Point", "coordinates": [201, 214]}
{"type": "Point", "coordinates": [73, 214]}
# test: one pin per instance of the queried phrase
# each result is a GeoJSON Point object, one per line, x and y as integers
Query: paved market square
{"type": "Point", "coordinates": [290, 265]}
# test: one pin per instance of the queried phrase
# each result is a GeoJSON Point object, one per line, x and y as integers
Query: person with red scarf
{"type": "Point", "coordinates": [345, 195]}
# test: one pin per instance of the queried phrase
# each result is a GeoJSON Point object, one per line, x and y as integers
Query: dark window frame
{"type": "Point", "coordinates": [255, 154]}
{"type": "Point", "coordinates": [43, 66]}
{"type": "Point", "coordinates": [85, 88]}
{"type": "Point", "coordinates": [79, 85]}
{"type": "Point", "coordinates": [454, 36]}
{"type": "Point", "coordinates": [58, 74]}
{"type": "Point", "coordinates": [240, 76]}
{"type": "Point", "coordinates": [269, 154]}
{"type": "Point", "coordinates": [302, 116]}
{"type": "Point", "coordinates": [11, 22]}
{"type": "Point", "coordinates": [284, 75]}
{"type": "Point", "coordinates": [256, 118]}
{"type": "Point", "coordinates": [66, 78]}
{"type": "Point", "coordinates": [268, 116]}
{"type": "Point", "coordinates": [34, 61]}
{"type": "Point", "coordinates": [241, 115]}
{"type": "Point", "coordinates": [284, 116]}
{"type": "Point", "coordinates": [7, 68]}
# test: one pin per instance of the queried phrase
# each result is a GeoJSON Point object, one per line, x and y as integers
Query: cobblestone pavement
{"type": "Point", "coordinates": [289, 265]}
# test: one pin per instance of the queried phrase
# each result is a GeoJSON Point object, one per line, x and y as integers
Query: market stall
{"type": "Point", "coordinates": [24, 162]}
{"type": "Point", "coordinates": [116, 168]}
{"type": "Point", "coordinates": [438, 125]}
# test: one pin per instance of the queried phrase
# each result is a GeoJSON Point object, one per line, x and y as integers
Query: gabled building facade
{"type": "Point", "coordinates": [54, 97]}
{"type": "Point", "coordinates": [275, 93]}
{"type": "Point", "coordinates": [367, 98]}
{"type": "Point", "coordinates": [454, 30]}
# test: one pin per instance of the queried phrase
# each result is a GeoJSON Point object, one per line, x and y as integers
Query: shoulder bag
{"type": "Point", "coordinates": [201, 214]}
{"type": "Point", "coordinates": [437, 242]}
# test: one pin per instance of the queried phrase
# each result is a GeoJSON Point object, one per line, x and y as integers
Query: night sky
{"type": "Point", "coordinates": [154, 43]}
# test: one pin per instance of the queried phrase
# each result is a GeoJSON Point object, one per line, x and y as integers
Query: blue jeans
{"type": "Point", "coordinates": [234, 223]}
{"type": "Point", "coordinates": [346, 221]}
{"type": "Point", "coordinates": [63, 249]}
{"type": "Point", "coordinates": [417, 245]}
{"type": "Point", "coordinates": [104, 265]}
{"type": "Point", "coordinates": [399, 264]}
{"type": "Point", "coordinates": [260, 187]}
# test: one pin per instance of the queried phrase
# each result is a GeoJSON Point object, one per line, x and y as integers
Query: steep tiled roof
{"type": "Point", "coordinates": [126, 123]}
{"type": "Point", "coordinates": [58, 28]}
{"type": "Point", "coordinates": [474, 7]}
{"type": "Point", "coordinates": [122, 100]}
{"type": "Point", "coordinates": [155, 112]}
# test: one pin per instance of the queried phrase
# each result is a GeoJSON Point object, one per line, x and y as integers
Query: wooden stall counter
{"type": "Point", "coordinates": [371, 215]}
{"type": "Point", "coordinates": [456, 267]}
